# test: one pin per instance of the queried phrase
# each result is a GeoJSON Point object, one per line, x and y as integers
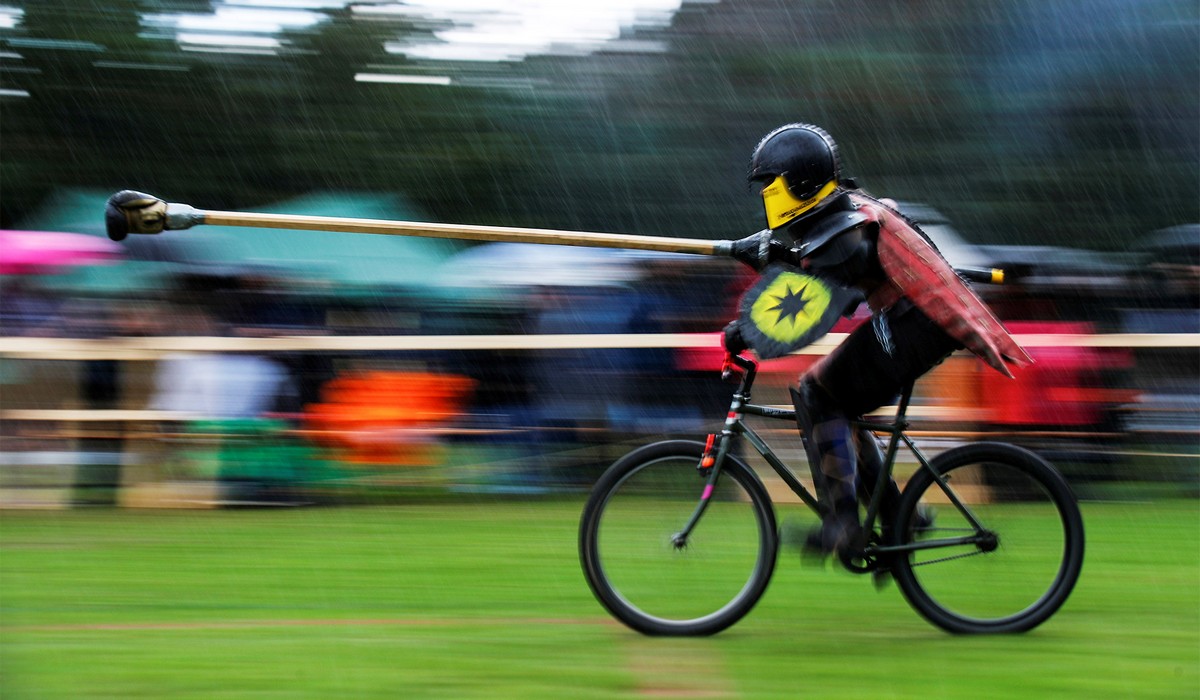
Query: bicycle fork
{"type": "Point", "coordinates": [711, 460]}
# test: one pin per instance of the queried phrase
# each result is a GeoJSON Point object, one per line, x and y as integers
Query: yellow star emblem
{"type": "Point", "coordinates": [789, 306]}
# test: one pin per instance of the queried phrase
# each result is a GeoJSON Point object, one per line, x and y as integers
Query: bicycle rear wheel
{"type": "Point", "coordinates": [1019, 558]}
{"type": "Point", "coordinates": [643, 575]}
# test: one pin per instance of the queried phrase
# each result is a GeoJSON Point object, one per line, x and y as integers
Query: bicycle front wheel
{"type": "Point", "coordinates": [1004, 557]}
{"type": "Point", "coordinates": [641, 570]}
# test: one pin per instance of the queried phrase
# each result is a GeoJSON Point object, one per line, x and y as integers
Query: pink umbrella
{"type": "Point", "coordinates": [32, 252]}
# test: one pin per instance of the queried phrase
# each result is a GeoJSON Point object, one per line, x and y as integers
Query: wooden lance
{"type": "Point", "coordinates": [136, 212]}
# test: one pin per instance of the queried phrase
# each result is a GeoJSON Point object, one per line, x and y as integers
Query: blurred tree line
{"type": "Point", "coordinates": [1072, 122]}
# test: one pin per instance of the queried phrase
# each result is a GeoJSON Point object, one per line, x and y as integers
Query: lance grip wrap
{"type": "Point", "coordinates": [753, 251]}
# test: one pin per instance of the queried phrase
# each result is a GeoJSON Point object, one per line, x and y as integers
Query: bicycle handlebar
{"type": "Point", "coordinates": [747, 366]}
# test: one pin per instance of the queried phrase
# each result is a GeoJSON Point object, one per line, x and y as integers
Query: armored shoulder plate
{"type": "Point", "coordinates": [828, 228]}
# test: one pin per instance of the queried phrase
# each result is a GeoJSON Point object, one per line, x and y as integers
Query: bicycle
{"type": "Point", "coordinates": [680, 537]}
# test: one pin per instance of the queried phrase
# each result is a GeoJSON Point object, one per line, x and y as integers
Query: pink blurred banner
{"type": "Point", "coordinates": [35, 252]}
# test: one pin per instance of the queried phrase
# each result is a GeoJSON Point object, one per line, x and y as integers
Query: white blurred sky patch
{"type": "Point", "coordinates": [10, 16]}
{"type": "Point", "coordinates": [508, 30]}
{"type": "Point", "coordinates": [462, 30]}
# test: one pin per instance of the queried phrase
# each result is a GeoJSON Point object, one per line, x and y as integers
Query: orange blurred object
{"type": "Point", "coordinates": [387, 418]}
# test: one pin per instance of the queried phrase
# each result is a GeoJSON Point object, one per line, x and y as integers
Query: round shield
{"type": "Point", "coordinates": [787, 309]}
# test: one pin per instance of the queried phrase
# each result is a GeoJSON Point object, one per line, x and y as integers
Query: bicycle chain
{"type": "Point", "coordinates": [950, 558]}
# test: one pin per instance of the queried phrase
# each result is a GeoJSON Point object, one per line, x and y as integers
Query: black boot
{"type": "Point", "coordinates": [829, 446]}
{"type": "Point", "coordinates": [837, 532]}
{"type": "Point", "coordinates": [840, 527]}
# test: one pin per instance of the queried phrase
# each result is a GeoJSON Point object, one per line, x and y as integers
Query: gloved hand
{"type": "Point", "coordinates": [761, 249]}
{"type": "Point", "coordinates": [753, 250]}
{"type": "Point", "coordinates": [735, 344]}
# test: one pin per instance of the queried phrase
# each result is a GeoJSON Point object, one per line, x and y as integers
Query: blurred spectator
{"type": "Point", "coordinates": [216, 384]}
{"type": "Point", "coordinates": [26, 309]}
{"type": "Point", "coordinates": [225, 402]}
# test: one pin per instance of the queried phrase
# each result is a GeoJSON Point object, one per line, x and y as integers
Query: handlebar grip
{"type": "Point", "coordinates": [986, 275]}
{"type": "Point", "coordinates": [735, 363]}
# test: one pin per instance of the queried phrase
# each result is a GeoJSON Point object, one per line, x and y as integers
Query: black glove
{"type": "Point", "coordinates": [735, 344]}
{"type": "Point", "coordinates": [761, 249]}
{"type": "Point", "coordinates": [753, 250]}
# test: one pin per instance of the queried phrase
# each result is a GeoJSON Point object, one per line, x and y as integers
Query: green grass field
{"type": "Point", "coordinates": [484, 599]}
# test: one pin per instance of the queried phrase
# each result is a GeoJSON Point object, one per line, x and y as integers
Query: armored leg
{"type": "Point", "coordinates": [805, 423]}
{"type": "Point", "coordinates": [829, 444]}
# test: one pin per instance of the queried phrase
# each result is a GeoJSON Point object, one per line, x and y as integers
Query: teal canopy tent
{"type": "Point", "coordinates": [348, 263]}
{"type": "Point", "coordinates": [318, 262]}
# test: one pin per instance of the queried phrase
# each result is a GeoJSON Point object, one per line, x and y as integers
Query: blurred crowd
{"type": "Point", "coordinates": [193, 421]}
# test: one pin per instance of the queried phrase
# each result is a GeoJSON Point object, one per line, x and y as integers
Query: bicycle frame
{"type": "Point", "coordinates": [706, 585]}
{"type": "Point", "coordinates": [735, 425]}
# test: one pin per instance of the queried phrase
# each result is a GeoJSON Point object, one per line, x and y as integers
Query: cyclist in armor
{"type": "Point", "coordinates": [820, 222]}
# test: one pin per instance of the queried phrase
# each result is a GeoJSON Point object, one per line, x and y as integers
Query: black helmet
{"type": "Point", "coordinates": [799, 169]}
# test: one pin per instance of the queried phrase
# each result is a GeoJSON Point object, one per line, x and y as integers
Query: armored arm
{"type": "Point", "coordinates": [843, 252]}
{"type": "Point", "coordinates": [761, 249]}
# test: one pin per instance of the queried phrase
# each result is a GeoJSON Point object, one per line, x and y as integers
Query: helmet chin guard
{"type": "Point", "coordinates": [798, 165]}
{"type": "Point", "coordinates": [781, 205]}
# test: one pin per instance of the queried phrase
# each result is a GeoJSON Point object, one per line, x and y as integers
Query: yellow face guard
{"type": "Point", "coordinates": [782, 207]}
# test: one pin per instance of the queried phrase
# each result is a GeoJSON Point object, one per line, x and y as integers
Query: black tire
{"type": "Point", "coordinates": [629, 556]}
{"type": "Point", "coordinates": [1010, 583]}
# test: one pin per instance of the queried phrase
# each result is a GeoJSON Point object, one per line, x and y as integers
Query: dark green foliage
{"type": "Point", "coordinates": [1067, 122]}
